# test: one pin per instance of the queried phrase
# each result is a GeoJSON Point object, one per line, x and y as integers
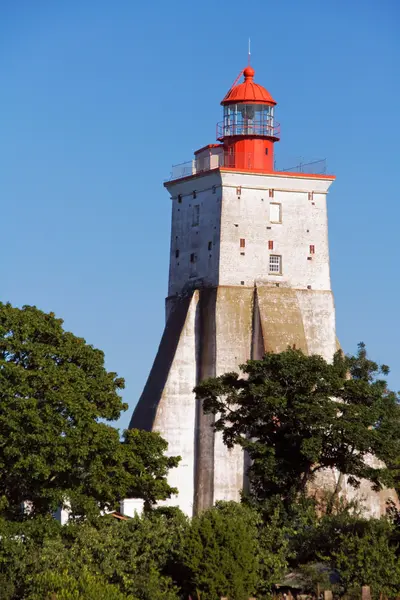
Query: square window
{"type": "Point", "coordinates": [275, 212]}
{"type": "Point", "coordinates": [196, 215]}
{"type": "Point", "coordinates": [275, 264]}
{"type": "Point", "coordinates": [270, 245]}
{"type": "Point", "coordinates": [242, 242]}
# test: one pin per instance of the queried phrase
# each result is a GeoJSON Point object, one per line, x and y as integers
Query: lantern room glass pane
{"type": "Point", "coordinates": [249, 119]}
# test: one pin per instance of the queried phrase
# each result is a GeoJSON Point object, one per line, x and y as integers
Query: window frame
{"type": "Point", "coordinates": [279, 204]}
{"type": "Point", "coordinates": [279, 256]}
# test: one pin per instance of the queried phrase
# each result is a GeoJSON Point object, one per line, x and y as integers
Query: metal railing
{"type": "Point", "coordinates": [183, 170]}
{"type": "Point", "coordinates": [315, 167]}
{"type": "Point", "coordinates": [240, 161]}
{"type": "Point", "coordinates": [263, 128]}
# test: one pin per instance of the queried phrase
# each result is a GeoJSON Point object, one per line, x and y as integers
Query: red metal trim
{"type": "Point", "coordinates": [235, 82]}
{"type": "Point", "coordinates": [248, 90]}
{"type": "Point", "coordinates": [252, 172]}
{"type": "Point", "coordinates": [280, 173]}
{"type": "Point", "coordinates": [246, 100]}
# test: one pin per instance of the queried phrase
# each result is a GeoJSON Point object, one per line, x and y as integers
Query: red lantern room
{"type": "Point", "coordinates": [248, 131]}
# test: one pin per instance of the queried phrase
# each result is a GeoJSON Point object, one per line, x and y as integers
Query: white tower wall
{"type": "Point", "coordinates": [226, 307]}
{"type": "Point", "coordinates": [248, 201]}
{"type": "Point", "coordinates": [195, 230]}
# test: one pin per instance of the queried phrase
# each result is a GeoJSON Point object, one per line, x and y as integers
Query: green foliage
{"type": "Point", "coordinates": [296, 414]}
{"type": "Point", "coordinates": [50, 585]}
{"type": "Point", "coordinates": [131, 554]}
{"type": "Point", "coordinates": [362, 551]}
{"type": "Point", "coordinates": [274, 548]}
{"type": "Point", "coordinates": [365, 555]}
{"type": "Point", "coordinates": [229, 550]}
{"type": "Point", "coordinates": [293, 414]}
{"type": "Point", "coordinates": [132, 557]}
{"type": "Point", "coordinates": [55, 395]}
{"type": "Point", "coordinates": [315, 576]}
{"type": "Point", "coordinates": [221, 554]}
{"type": "Point", "coordinates": [20, 549]}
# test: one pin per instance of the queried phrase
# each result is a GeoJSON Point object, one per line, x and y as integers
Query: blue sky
{"type": "Point", "coordinates": [99, 99]}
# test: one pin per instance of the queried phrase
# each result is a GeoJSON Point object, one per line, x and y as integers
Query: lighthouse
{"type": "Point", "coordinates": [248, 274]}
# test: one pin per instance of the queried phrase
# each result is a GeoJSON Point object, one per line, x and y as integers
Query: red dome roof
{"type": "Point", "coordinates": [248, 91]}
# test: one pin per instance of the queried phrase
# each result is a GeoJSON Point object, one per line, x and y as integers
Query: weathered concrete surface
{"type": "Point", "coordinates": [205, 440]}
{"type": "Point", "coordinates": [210, 332]}
{"type": "Point", "coordinates": [234, 317]}
{"type": "Point", "coordinates": [148, 406]}
{"type": "Point", "coordinates": [281, 319]}
{"type": "Point", "coordinates": [167, 404]}
{"type": "Point", "coordinates": [372, 504]}
{"type": "Point", "coordinates": [207, 334]}
{"type": "Point", "coordinates": [317, 308]}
